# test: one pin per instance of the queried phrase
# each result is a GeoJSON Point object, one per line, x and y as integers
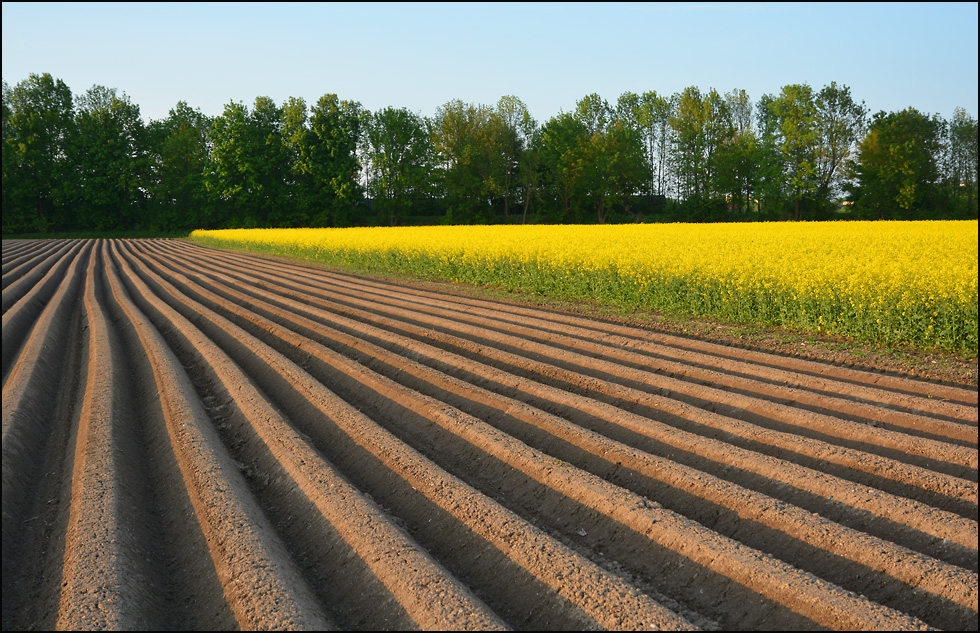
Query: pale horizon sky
{"type": "Point", "coordinates": [421, 55]}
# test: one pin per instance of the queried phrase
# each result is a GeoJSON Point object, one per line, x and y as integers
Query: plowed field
{"type": "Point", "coordinates": [197, 439]}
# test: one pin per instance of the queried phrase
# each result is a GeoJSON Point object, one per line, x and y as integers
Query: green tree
{"type": "Point", "coordinates": [530, 168]}
{"type": "Point", "coordinates": [516, 129]}
{"type": "Point", "coordinates": [841, 123]}
{"type": "Point", "coordinates": [270, 164]}
{"type": "Point", "coordinates": [297, 208]}
{"type": "Point", "coordinates": [664, 170]}
{"type": "Point", "coordinates": [628, 110]}
{"type": "Point", "coordinates": [620, 171]}
{"type": "Point", "coordinates": [596, 152]}
{"type": "Point", "coordinates": [332, 160]}
{"type": "Point", "coordinates": [897, 167]}
{"type": "Point", "coordinates": [230, 180]}
{"type": "Point", "coordinates": [179, 155]}
{"type": "Point", "coordinates": [594, 158]}
{"type": "Point", "coordinates": [701, 124]}
{"type": "Point", "coordinates": [796, 111]}
{"type": "Point", "coordinates": [399, 157]}
{"type": "Point", "coordinates": [250, 165]}
{"type": "Point", "coordinates": [653, 114]}
{"type": "Point", "coordinates": [562, 142]}
{"type": "Point", "coordinates": [110, 165]}
{"type": "Point", "coordinates": [470, 142]}
{"type": "Point", "coordinates": [771, 186]}
{"type": "Point", "coordinates": [961, 171]}
{"type": "Point", "coordinates": [38, 126]}
{"type": "Point", "coordinates": [736, 160]}
{"type": "Point", "coordinates": [593, 112]}
{"type": "Point", "coordinates": [12, 217]}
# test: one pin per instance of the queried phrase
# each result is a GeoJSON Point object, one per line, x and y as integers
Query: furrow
{"type": "Point", "coordinates": [102, 581]}
{"type": "Point", "coordinates": [937, 488]}
{"type": "Point", "coordinates": [260, 583]}
{"type": "Point", "coordinates": [847, 376]}
{"type": "Point", "coordinates": [747, 568]}
{"type": "Point", "coordinates": [134, 555]}
{"type": "Point", "coordinates": [431, 597]}
{"type": "Point", "coordinates": [640, 352]}
{"type": "Point", "coordinates": [732, 459]}
{"type": "Point", "coordinates": [585, 376]}
{"type": "Point", "coordinates": [523, 341]}
{"type": "Point", "coordinates": [16, 288]}
{"type": "Point", "coordinates": [187, 593]}
{"type": "Point", "coordinates": [34, 262]}
{"type": "Point", "coordinates": [196, 439]}
{"type": "Point", "coordinates": [35, 505]}
{"type": "Point", "coordinates": [879, 563]}
{"type": "Point", "coordinates": [20, 245]}
{"type": "Point", "coordinates": [17, 250]}
{"type": "Point", "coordinates": [23, 313]}
{"type": "Point", "coordinates": [568, 577]}
{"type": "Point", "coordinates": [916, 396]}
{"type": "Point", "coordinates": [30, 395]}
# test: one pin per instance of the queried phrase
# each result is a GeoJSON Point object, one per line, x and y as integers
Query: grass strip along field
{"type": "Point", "coordinates": [879, 282]}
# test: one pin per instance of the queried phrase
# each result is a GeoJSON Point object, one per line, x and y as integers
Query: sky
{"type": "Point", "coordinates": [419, 56]}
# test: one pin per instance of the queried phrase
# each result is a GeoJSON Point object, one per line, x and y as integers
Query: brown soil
{"type": "Point", "coordinates": [202, 439]}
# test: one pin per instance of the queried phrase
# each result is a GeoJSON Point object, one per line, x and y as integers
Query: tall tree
{"type": "Point", "coordinates": [607, 164]}
{"type": "Point", "coordinates": [231, 179]}
{"type": "Point", "coordinates": [13, 219]}
{"type": "Point", "coordinates": [109, 163]}
{"type": "Point", "coordinates": [962, 163]}
{"type": "Point", "coordinates": [796, 110]}
{"type": "Point", "coordinates": [664, 169]}
{"type": "Point", "coordinates": [628, 110]}
{"type": "Point", "coordinates": [593, 112]}
{"type": "Point", "coordinates": [617, 165]}
{"type": "Point", "coordinates": [653, 115]}
{"type": "Point", "coordinates": [270, 166]}
{"type": "Point", "coordinates": [701, 124]}
{"type": "Point", "coordinates": [38, 125]}
{"type": "Point", "coordinates": [841, 123]}
{"type": "Point", "coordinates": [897, 166]}
{"type": "Point", "coordinates": [333, 159]}
{"type": "Point", "coordinates": [530, 168]}
{"type": "Point", "coordinates": [470, 142]}
{"type": "Point", "coordinates": [770, 181]}
{"type": "Point", "coordinates": [646, 122]}
{"type": "Point", "coordinates": [737, 155]}
{"type": "Point", "coordinates": [516, 128]}
{"type": "Point", "coordinates": [562, 142]}
{"type": "Point", "coordinates": [180, 160]}
{"type": "Point", "coordinates": [399, 157]}
{"type": "Point", "coordinates": [298, 207]}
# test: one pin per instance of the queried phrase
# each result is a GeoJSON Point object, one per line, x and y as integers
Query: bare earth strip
{"type": "Point", "coordinates": [199, 439]}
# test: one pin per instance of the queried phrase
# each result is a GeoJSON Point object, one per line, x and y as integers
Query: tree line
{"type": "Point", "coordinates": [89, 162]}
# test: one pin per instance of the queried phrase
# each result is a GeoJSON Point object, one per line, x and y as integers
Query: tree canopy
{"type": "Point", "coordinates": [90, 162]}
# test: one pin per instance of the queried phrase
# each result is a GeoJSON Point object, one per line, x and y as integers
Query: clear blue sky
{"type": "Point", "coordinates": [419, 56]}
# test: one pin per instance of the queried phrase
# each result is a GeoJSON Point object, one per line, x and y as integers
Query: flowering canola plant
{"type": "Point", "coordinates": [888, 282]}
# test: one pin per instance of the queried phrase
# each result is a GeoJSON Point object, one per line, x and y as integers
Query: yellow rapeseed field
{"type": "Point", "coordinates": [891, 282]}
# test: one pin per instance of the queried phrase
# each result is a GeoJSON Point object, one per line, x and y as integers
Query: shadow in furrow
{"type": "Point", "coordinates": [599, 326]}
{"type": "Point", "coordinates": [520, 598]}
{"type": "Point", "coordinates": [899, 533]}
{"type": "Point", "coordinates": [190, 594]}
{"type": "Point", "coordinates": [34, 538]}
